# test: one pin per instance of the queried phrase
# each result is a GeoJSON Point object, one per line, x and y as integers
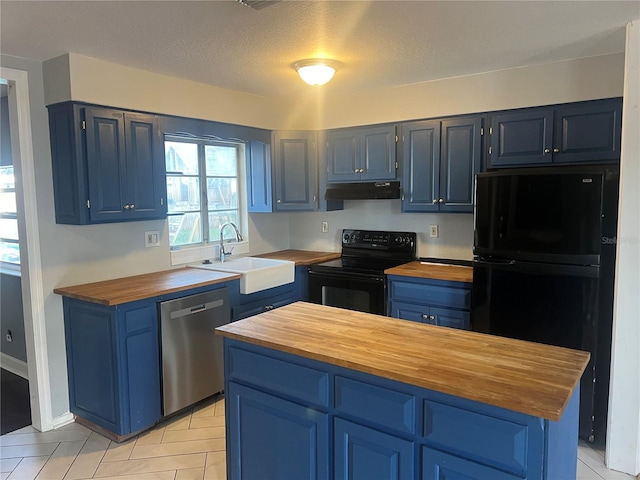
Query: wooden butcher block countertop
{"type": "Point", "coordinates": [525, 377]}
{"type": "Point", "coordinates": [139, 287]}
{"type": "Point", "coordinates": [301, 257]}
{"type": "Point", "coordinates": [436, 271]}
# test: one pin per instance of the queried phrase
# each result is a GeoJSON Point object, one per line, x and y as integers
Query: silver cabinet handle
{"type": "Point", "coordinates": [434, 201]}
{"type": "Point", "coordinates": [441, 200]}
{"type": "Point", "coordinates": [279, 201]}
{"type": "Point", "coordinates": [556, 150]}
{"type": "Point", "coordinates": [425, 316]}
{"type": "Point", "coordinates": [132, 206]}
{"type": "Point", "coordinates": [431, 317]}
{"type": "Point", "coordinates": [127, 207]}
{"type": "Point", "coordinates": [546, 150]}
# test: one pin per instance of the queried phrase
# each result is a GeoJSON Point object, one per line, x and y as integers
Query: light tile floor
{"type": "Point", "coordinates": [188, 447]}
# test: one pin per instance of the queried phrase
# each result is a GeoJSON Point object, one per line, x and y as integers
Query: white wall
{"type": "Point", "coordinates": [623, 451]}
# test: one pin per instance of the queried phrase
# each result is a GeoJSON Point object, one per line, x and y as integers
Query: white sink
{"type": "Point", "coordinates": [257, 273]}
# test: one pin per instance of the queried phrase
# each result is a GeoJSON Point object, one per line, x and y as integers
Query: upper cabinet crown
{"type": "Point", "coordinates": [440, 159]}
{"type": "Point", "coordinates": [576, 132]}
{"type": "Point", "coordinates": [361, 154]}
{"type": "Point", "coordinates": [108, 164]}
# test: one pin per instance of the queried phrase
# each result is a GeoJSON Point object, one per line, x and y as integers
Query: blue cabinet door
{"type": "Point", "coordinates": [139, 360]}
{"type": "Point", "coordinates": [295, 168]}
{"type": "Point", "coordinates": [272, 438]}
{"type": "Point", "coordinates": [410, 311]}
{"type": "Point", "coordinates": [589, 131]}
{"type": "Point", "coordinates": [258, 159]}
{"type": "Point", "coordinates": [460, 161]}
{"type": "Point", "coordinates": [106, 164]}
{"type": "Point", "coordinates": [343, 156]}
{"type": "Point", "coordinates": [446, 317]}
{"type": "Point", "coordinates": [361, 154]}
{"type": "Point", "coordinates": [421, 166]}
{"type": "Point", "coordinates": [521, 137]}
{"type": "Point", "coordinates": [145, 168]}
{"type": "Point", "coordinates": [362, 453]}
{"type": "Point", "coordinates": [378, 147]}
{"type": "Point", "coordinates": [92, 368]}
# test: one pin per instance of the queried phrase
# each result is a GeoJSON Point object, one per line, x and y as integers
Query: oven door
{"type": "Point", "coordinates": [365, 293]}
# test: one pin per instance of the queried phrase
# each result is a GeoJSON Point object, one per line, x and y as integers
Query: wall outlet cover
{"type": "Point", "coordinates": [433, 231]}
{"type": "Point", "coordinates": [152, 238]}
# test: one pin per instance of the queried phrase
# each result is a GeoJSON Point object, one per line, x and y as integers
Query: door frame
{"type": "Point", "coordinates": [31, 265]}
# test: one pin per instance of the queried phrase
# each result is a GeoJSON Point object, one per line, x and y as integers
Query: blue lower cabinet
{"type": "Point", "coordinates": [272, 438]}
{"type": "Point", "coordinates": [290, 417]}
{"type": "Point", "coordinates": [363, 453]}
{"type": "Point", "coordinates": [436, 302]}
{"type": "Point", "coordinates": [247, 305]}
{"type": "Point", "coordinates": [113, 364]}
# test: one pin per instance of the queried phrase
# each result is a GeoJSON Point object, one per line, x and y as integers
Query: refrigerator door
{"type": "Point", "coordinates": [540, 215]}
{"type": "Point", "coordinates": [551, 304]}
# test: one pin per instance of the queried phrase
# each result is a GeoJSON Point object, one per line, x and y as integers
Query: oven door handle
{"type": "Point", "coordinates": [353, 275]}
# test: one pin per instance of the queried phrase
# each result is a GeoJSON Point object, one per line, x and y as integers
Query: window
{"type": "Point", "coordinates": [202, 190]}
{"type": "Point", "coordinates": [9, 242]}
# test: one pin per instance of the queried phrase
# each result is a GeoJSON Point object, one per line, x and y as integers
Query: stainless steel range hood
{"type": "Point", "coordinates": [362, 191]}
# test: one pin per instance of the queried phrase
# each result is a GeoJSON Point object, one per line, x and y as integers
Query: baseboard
{"type": "Point", "coordinates": [64, 419]}
{"type": "Point", "coordinates": [14, 365]}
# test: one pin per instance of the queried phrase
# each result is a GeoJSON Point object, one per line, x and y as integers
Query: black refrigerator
{"type": "Point", "coordinates": [543, 268]}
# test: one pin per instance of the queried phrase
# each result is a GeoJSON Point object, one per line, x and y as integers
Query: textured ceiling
{"type": "Point", "coordinates": [380, 43]}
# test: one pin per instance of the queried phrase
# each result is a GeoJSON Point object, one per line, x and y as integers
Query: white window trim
{"type": "Point", "coordinates": [211, 251]}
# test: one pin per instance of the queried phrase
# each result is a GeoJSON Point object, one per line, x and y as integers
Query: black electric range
{"type": "Point", "coordinates": [356, 280]}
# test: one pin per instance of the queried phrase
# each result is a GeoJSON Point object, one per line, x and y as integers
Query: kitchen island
{"type": "Point", "coordinates": [320, 392]}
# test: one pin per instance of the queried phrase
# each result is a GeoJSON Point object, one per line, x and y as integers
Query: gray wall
{"type": "Point", "coordinates": [11, 317]}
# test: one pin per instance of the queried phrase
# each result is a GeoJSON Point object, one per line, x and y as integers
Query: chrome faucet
{"type": "Point", "coordinates": [224, 254]}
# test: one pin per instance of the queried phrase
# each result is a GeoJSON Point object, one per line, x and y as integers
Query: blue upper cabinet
{"type": "Point", "coordinates": [440, 159]}
{"type": "Point", "coordinates": [258, 159]}
{"type": "Point", "coordinates": [108, 165]}
{"type": "Point", "coordinates": [295, 171]}
{"type": "Point", "coordinates": [575, 132]}
{"type": "Point", "coordinates": [361, 154]}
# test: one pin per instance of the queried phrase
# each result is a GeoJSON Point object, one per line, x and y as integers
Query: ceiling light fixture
{"type": "Point", "coordinates": [316, 71]}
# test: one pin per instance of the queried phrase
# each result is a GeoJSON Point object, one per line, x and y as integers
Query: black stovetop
{"type": "Point", "coordinates": [371, 252]}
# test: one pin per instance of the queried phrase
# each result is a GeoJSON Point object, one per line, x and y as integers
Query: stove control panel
{"type": "Point", "coordinates": [382, 240]}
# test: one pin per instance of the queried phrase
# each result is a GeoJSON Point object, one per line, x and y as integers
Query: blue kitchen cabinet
{"type": "Point", "coordinates": [436, 302]}
{"type": "Point", "coordinates": [108, 164]}
{"type": "Point", "coordinates": [440, 159]}
{"type": "Point", "coordinates": [294, 417]}
{"type": "Point", "coordinates": [247, 305]}
{"type": "Point", "coordinates": [302, 283]}
{"type": "Point", "coordinates": [259, 196]}
{"type": "Point", "coordinates": [113, 364]}
{"type": "Point", "coordinates": [362, 154]}
{"type": "Point", "coordinates": [568, 133]}
{"type": "Point", "coordinates": [295, 171]}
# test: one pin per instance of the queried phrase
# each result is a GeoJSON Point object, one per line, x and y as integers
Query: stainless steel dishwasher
{"type": "Point", "coordinates": [192, 357]}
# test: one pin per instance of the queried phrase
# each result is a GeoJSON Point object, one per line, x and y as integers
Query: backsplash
{"type": "Point", "coordinates": [455, 238]}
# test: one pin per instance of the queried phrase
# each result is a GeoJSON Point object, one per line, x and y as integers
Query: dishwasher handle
{"type": "Point", "coordinates": [196, 309]}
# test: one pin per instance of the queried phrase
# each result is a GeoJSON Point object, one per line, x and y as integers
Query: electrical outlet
{"type": "Point", "coordinates": [433, 231]}
{"type": "Point", "coordinates": [152, 239]}
{"type": "Point", "coordinates": [9, 336]}
{"type": "Point", "coordinates": [325, 227]}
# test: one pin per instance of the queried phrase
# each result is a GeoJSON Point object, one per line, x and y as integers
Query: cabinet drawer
{"type": "Point", "coordinates": [379, 405]}
{"type": "Point", "coordinates": [431, 294]}
{"type": "Point", "coordinates": [254, 308]}
{"type": "Point", "coordinates": [297, 381]}
{"type": "Point", "coordinates": [463, 432]}
{"type": "Point", "coordinates": [438, 465]}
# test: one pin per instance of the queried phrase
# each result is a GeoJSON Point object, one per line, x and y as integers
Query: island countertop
{"type": "Point", "coordinates": [525, 377]}
{"type": "Point", "coordinates": [139, 287]}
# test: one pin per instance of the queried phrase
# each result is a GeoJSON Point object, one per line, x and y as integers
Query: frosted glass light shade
{"type": "Point", "coordinates": [316, 71]}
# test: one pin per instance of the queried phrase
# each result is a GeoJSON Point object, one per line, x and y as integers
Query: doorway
{"type": "Point", "coordinates": [29, 245]}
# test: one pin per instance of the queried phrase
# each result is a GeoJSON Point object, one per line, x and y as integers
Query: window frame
{"type": "Point", "coordinates": [208, 248]}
